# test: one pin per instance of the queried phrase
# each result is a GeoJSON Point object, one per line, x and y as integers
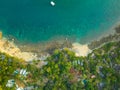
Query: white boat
{"type": "Point", "coordinates": [52, 3]}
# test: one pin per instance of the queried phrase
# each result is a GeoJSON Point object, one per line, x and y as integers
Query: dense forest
{"type": "Point", "coordinates": [62, 70]}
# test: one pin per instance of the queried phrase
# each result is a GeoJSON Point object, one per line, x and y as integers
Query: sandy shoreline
{"type": "Point", "coordinates": [80, 50]}
{"type": "Point", "coordinates": [30, 52]}
{"type": "Point", "coordinates": [11, 49]}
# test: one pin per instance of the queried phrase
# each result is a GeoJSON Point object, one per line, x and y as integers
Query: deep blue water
{"type": "Point", "coordinates": [37, 20]}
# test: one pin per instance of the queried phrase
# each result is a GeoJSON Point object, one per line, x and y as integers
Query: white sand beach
{"type": "Point", "coordinates": [80, 50]}
{"type": "Point", "coordinates": [11, 49]}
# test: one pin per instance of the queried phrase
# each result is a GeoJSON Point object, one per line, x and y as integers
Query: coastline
{"type": "Point", "coordinates": [12, 49]}
{"type": "Point", "coordinates": [30, 52]}
{"type": "Point", "coordinates": [36, 51]}
{"type": "Point", "coordinates": [115, 36]}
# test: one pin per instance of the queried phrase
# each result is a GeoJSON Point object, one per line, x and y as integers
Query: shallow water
{"type": "Point", "coordinates": [37, 21]}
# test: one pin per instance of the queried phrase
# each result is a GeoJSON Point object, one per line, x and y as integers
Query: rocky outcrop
{"type": "Point", "coordinates": [44, 48]}
{"type": "Point", "coordinates": [117, 29]}
{"type": "Point", "coordinates": [109, 38]}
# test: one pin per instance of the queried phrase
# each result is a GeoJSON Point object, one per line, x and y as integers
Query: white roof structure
{"type": "Point", "coordinates": [29, 88]}
{"type": "Point", "coordinates": [19, 89]}
{"type": "Point", "coordinates": [23, 72]}
{"type": "Point", "coordinates": [10, 83]}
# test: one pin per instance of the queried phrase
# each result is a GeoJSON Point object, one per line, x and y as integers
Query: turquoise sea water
{"type": "Point", "coordinates": [37, 20]}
